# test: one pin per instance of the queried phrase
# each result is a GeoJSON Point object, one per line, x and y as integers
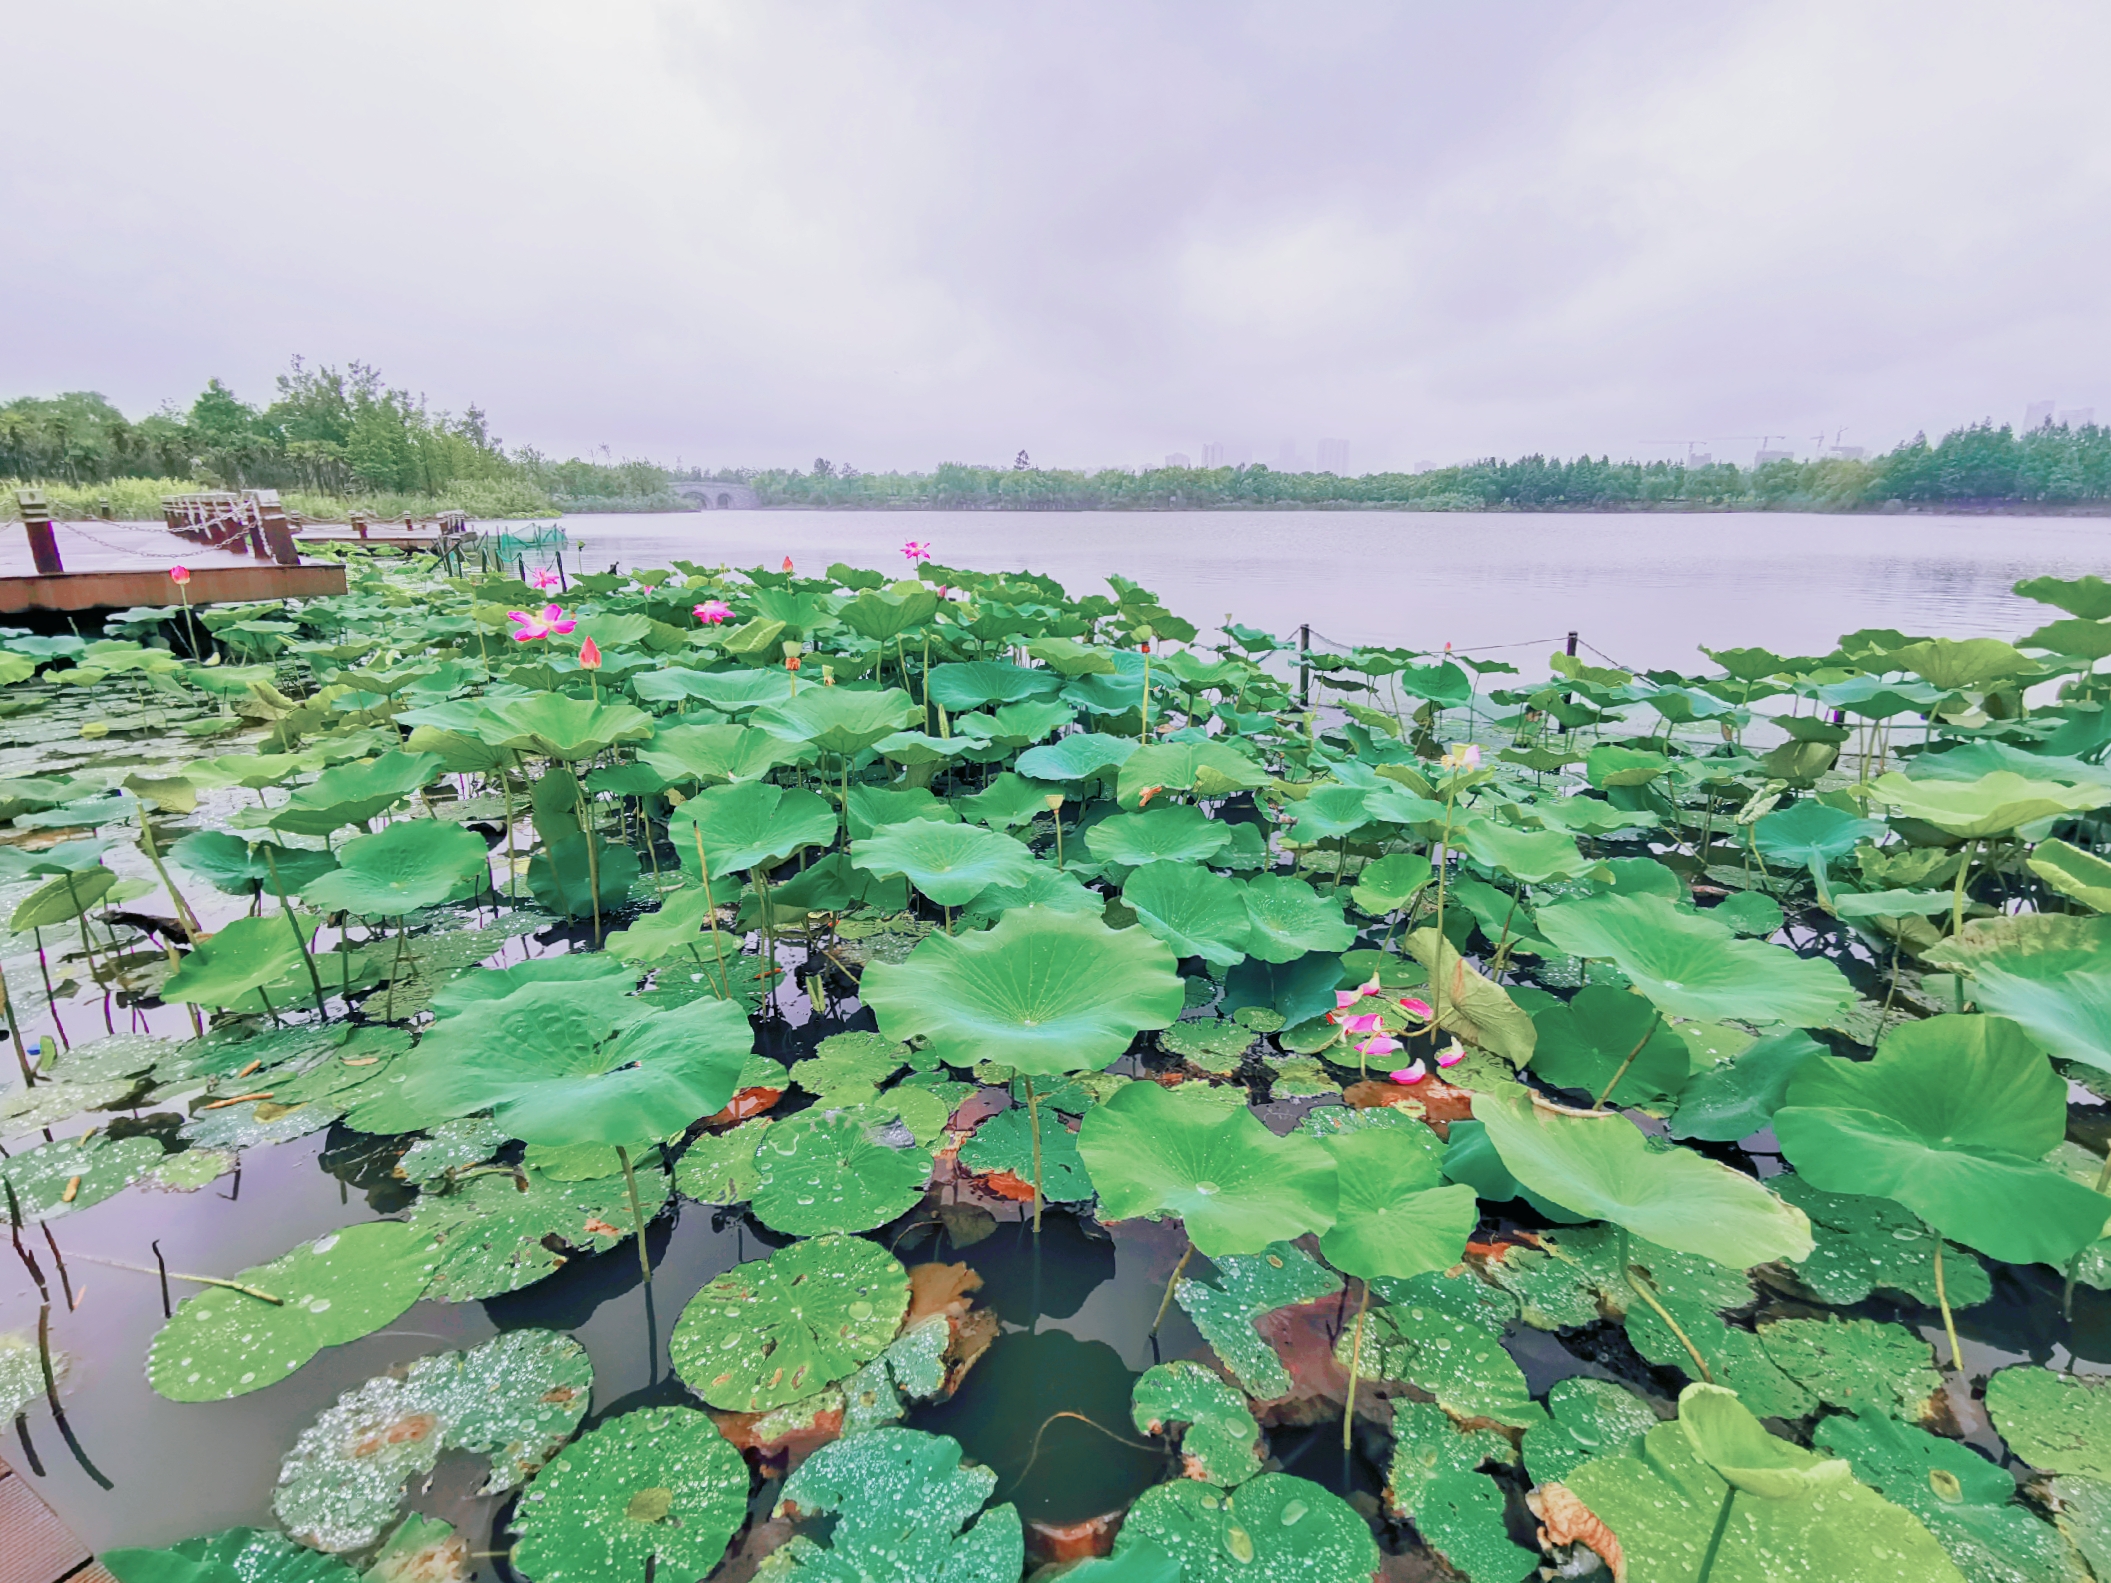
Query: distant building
{"type": "Point", "coordinates": [1334, 456]}
{"type": "Point", "coordinates": [1218, 453]}
{"type": "Point", "coordinates": [1177, 459]}
{"type": "Point", "coordinates": [1425, 467]}
{"type": "Point", "coordinates": [2078, 417]}
{"type": "Point", "coordinates": [1288, 459]}
{"type": "Point", "coordinates": [1764, 457]}
{"type": "Point", "coordinates": [1847, 453]}
{"type": "Point", "coordinates": [2038, 414]}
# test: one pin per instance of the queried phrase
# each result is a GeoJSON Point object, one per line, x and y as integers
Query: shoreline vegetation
{"type": "Point", "coordinates": [336, 441]}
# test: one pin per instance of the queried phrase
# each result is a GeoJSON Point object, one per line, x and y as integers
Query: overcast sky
{"type": "Point", "coordinates": [907, 233]}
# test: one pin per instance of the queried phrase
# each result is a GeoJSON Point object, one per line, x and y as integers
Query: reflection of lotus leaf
{"type": "Point", "coordinates": [660, 1484]}
{"type": "Point", "coordinates": [774, 1330]}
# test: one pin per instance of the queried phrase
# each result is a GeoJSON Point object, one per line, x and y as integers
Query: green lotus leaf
{"type": "Point", "coordinates": [905, 1510]}
{"type": "Point", "coordinates": [2088, 597]}
{"type": "Point", "coordinates": [1591, 816]}
{"type": "Point", "coordinates": [1394, 1215]}
{"type": "Point", "coordinates": [836, 1170]}
{"type": "Point", "coordinates": [2058, 1422]}
{"type": "Point", "coordinates": [873, 806]}
{"type": "Point", "coordinates": [557, 1066]}
{"type": "Point", "coordinates": [1587, 1418]}
{"type": "Point", "coordinates": [347, 1284]}
{"type": "Point", "coordinates": [1866, 1244]}
{"type": "Point", "coordinates": [498, 1233]}
{"type": "Point", "coordinates": [243, 868]}
{"type": "Point", "coordinates": [1855, 1363]}
{"type": "Point", "coordinates": [1175, 834]}
{"type": "Point", "coordinates": [720, 1167]}
{"type": "Point", "coordinates": [747, 824]}
{"type": "Point", "coordinates": [354, 793]}
{"type": "Point", "coordinates": [1006, 1143]}
{"type": "Point", "coordinates": [1235, 1185]}
{"type": "Point", "coordinates": [1007, 801]}
{"type": "Point", "coordinates": [1965, 1501]}
{"type": "Point", "coordinates": [561, 878]}
{"type": "Point", "coordinates": [773, 1330]}
{"type": "Point", "coordinates": [1811, 835]}
{"type": "Point", "coordinates": [1391, 882]}
{"type": "Point", "coordinates": [2084, 640]}
{"type": "Point", "coordinates": [516, 1399]}
{"type": "Point", "coordinates": [1076, 757]}
{"type": "Point", "coordinates": [414, 863]}
{"type": "Point", "coordinates": [1218, 1437]}
{"type": "Point", "coordinates": [715, 754]}
{"type": "Point", "coordinates": [1327, 813]}
{"type": "Point", "coordinates": [1461, 1515]}
{"type": "Point", "coordinates": [1044, 992]}
{"type": "Point", "coordinates": [1287, 918]}
{"type": "Point", "coordinates": [1453, 1358]}
{"type": "Point", "coordinates": [2050, 972]}
{"type": "Point", "coordinates": [1692, 967]}
{"type": "Point", "coordinates": [1531, 856]}
{"type": "Point", "coordinates": [659, 1485]}
{"type": "Point", "coordinates": [1246, 1287]}
{"type": "Point", "coordinates": [1117, 693]}
{"type": "Point", "coordinates": [1739, 1097]}
{"type": "Point", "coordinates": [1960, 665]}
{"type": "Point", "coordinates": [950, 863]}
{"type": "Point", "coordinates": [882, 614]}
{"type": "Point", "coordinates": [474, 988]}
{"type": "Point", "coordinates": [1427, 1444]}
{"type": "Point", "coordinates": [1952, 1119]}
{"type": "Point", "coordinates": [981, 682]}
{"type": "Point", "coordinates": [1989, 806]}
{"type": "Point", "coordinates": [233, 1555]}
{"type": "Point", "coordinates": [1737, 1448]}
{"type": "Point", "coordinates": [1889, 903]}
{"type": "Point", "coordinates": [1662, 1506]}
{"type": "Point", "coordinates": [1583, 1042]}
{"type": "Point", "coordinates": [2073, 872]}
{"type": "Point", "coordinates": [1067, 657]}
{"type": "Point", "coordinates": [1603, 1166]}
{"type": "Point", "coordinates": [1023, 723]}
{"type": "Point", "coordinates": [61, 900]}
{"type": "Point", "coordinates": [237, 959]}
{"type": "Point", "coordinates": [1273, 1526]}
{"type": "Point", "coordinates": [553, 726]}
{"type": "Point", "coordinates": [1047, 886]}
{"type": "Point", "coordinates": [1474, 1006]}
{"type": "Point", "coordinates": [67, 1174]}
{"type": "Point", "coordinates": [837, 719]}
{"type": "Point", "coordinates": [677, 929]}
{"type": "Point", "coordinates": [1208, 769]}
{"type": "Point", "coordinates": [1611, 765]}
{"type": "Point", "coordinates": [732, 692]}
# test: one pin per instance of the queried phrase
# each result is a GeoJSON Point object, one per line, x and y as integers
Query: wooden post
{"type": "Point", "coordinates": [36, 521]}
{"type": "Point", "coordinates": [278, 533]}
{"type": "Point", "coordinates": [1304, 666]}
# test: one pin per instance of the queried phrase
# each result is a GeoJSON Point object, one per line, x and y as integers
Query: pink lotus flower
{"type": "Point", "coordinates": [1417, 1008]}
{"type": "Point", "coordinates": [1380, 1044]}
{"type": "Point", "coordinates": [553, 622]}
{"type": "Point", "coordinates": [1466, 756]}
{"type": "Point", "coordinates": [1345, 998]}
{"type": "Point", "coordinates": [917, 550]}
{"type": "Point", "coordinates": [590, 655]}
{"type": "Point", "coordinates": [543, 577]}
{"type": "Point", "coordinates": [712, 611]}
{"type": "Point", "coordinates": [1409, 1074]}
{"type": "Point", "coordinates": [787, 566]}
{"type": "Point", "coordinates": [179, 575]}
{"type": "Point", "coordinates": [1452, 1056]}
{"type": "Point", "coordinates": [1362, 1025]}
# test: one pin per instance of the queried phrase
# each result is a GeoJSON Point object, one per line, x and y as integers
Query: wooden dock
{"type": "Point", "coordinates": [34, 1545]}
{"type": "Point", "coordinates": [121, 589]}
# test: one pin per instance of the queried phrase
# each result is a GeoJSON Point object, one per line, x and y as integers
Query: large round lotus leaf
{"type": "Point", "coordinates": [61, 900]}
{"type": "Point", "coordinates": [1582, 1042]}
{"type": "Point", "coordinates": [1006, 1143]}
{"type": "Point", "coordinates": [1989, 806]}
{"type": "Point", "coordinates": [1532, 856]}
{"type": "Point", "coordinates": [1952, 1119]}
{"type": "Point", "coordinates": [1589, 1418]}
{"type": "Point", "coordinates": [1208, 769]}
{"type": "Point", "coordinates": [496, 1238]}
{"type": "Point", "coordinates": [1219, 1438]}
{"type": "Point", "coordinates": [981, 682]}
{"type": "Point", "coordinates": [1246, 1287]}
{"type": "Point", "coordinates": [905, 1510]}
{"type": "Point", "coordinates": [413, 863]}
{"type": "Point", "coordinates": [2073, 872]}
{"type": "Point", "coordinates": [2051, 972]}
{"type": "Point", "coordinates": [496, 983]}
{"type": "Point", "coordinates": [872, 806]}
{"type": "Point", "coordinates": [1609, 764]}
{"type": "Point", "coordinates": [1734, 1445]}
{"type": "Point", "coordinates": [950, 863]}
{"type": "Point", "coordinates": [516, 1399]}
{"type": "Point", "coordinates": [1287, 918]}
{"type": "Point", "coordinates": [1077, 756]}
{"type": "Point", "coordinates": [340, 1287]}
{"type": "Point", "coordinates": [1661, 1508]}
{"type": "Point", "coordinates": [838, 720]}
{"type": "Point", "coordinates": [1811, 834]}
{"type": "Point", "coordinates": [748, 823]}
{"type": "Point", "coordinates": [1047, 886]}
{"type": "Point", "coordinates": [1173, 834]}
{"type": "Point", "coordinates": [716, 753]}
{"type": "Point", "coordinates": [1391, 882]}
{"type": "Point", "coordinates": [1008, 801]}
{"type": "Point", "coordinates": [1044, 992]}
{"type": "Point", "coordinates": [836, 1171]}
{"type": "Point", "coordinates": [2088, 597]}
{"type": "Point", "coordinates": [234, 1555]}
{"type": "Point", "coordinates": [59, 1177]}
{"type": "Point", "coordinates": [1737, 1098]}
{"type": "Point", "coordinates": [774, 1330]}
{"type": "Point", "coordinates": [730, 692]}
{"type": "Point", "coordinates": [661, 1484]}
{"type": "Point", "coordinates": [1276, 1526]}
{"type": "Point", "coordinates": [1603, 1166]}
{"type": "Point", "coordinates": [242, 868]}
{"type": "Point", "coordinates": [354, 793]}
{"type": "Point", "coordinates": [1854, 1363]}
{"type": "Point", "coordinates": [1195, 910]}
{"type": "Point", "coordinates": [238, 958]}
{"type": "Point", "coordinates": [1327, 814]}
{"type": "Point", "coordinates": [1691, 967]}
{"type": "Point", "coordinates": [2058, 1422]}
{"type": "Point", "coordinates": [880, 614]}
{"type": "Point", "coordinates": [1235, 1185]}
{"type": "Point", "coordinates": [1395, 1215]}
{"type": "Point", "coordinates": [1967, 1502]}
{"type": "Point", "coordinates": [1021, 723]}
{"type": "Point", "coordinates": [550, 725]}
{"type": "Point", "coordinates": [556, 1063]}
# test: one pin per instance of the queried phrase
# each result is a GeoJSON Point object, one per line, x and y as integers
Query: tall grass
{"type": "Point", "coordinates": [139, 500]}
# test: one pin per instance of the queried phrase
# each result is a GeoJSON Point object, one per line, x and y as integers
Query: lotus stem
{"type": "Point", "coordinates": [1348, 1411]}
{"type": "Point", "coordinates": [1647, 1034]}
{"type": "Point", "coordinates": [1715, 1540]}
{"type": "Point", "coordinates": [388, 1011]}
{"type": "Point", "coordinates": [1942, 1301]}
{"type": "Point", "coordinates": [1971, 850]}
{"type": "Point", "coordinates": [80, 918]}
{"type": "Point", "coordinates": [315, 979]}
{"type": "Point", "coordinates": [505, 790]}
{"type": "Point", "coordinates": [1436, 975]}
{"type": "Point", "coordinates": [1145, 734]}
{"type": "Point", "coordinates": [168, 1275]}
{"type": "Point", "coordinates": [718, 945]}
{"type": "Point", "coordinates": [637, 1218]}
{"type": "Point", "coordinates": [51, 1001]}
{"type": "Point", "coordinates": [188, 918]}
{"type": "Point", "coordinates": [1627, 1269]}
{"type": "Point", "coordinates": [1172, 1281]}
{"type": "Point", "coordinates": [14, 1030]}
{"type": "Point", "coordinates": [593, 861]}
{"type": "Point", "coordinates": [1033, 1122]}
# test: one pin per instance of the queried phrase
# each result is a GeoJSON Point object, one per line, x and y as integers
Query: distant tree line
{"type": "Point", "coordinates": [1976, 465]}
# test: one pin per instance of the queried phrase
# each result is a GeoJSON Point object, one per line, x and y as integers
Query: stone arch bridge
{"type": "Point", "coordinates": [714, 494]}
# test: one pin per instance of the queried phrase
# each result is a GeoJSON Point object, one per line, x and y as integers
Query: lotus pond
{"type": "Point", "coordinates": [1099, 1098]}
